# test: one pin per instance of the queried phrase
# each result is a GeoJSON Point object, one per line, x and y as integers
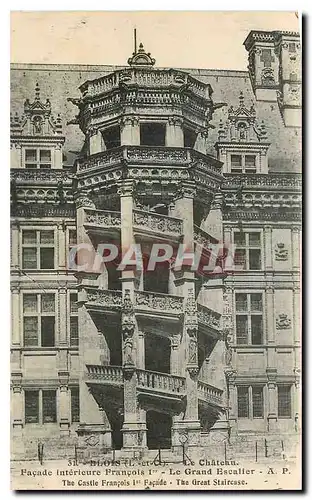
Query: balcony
{"type": "Point", "coordinates": [148, 162]}
{"type": "Point", "coordinates": [99, 221]}
{"type": "Point", "coordinates": [110, 375]}
{"type": "Point", "coordinates": [162, 386]}
{"type": "Point", "coordinates": [159, 225]}
{"type": "Point", "coordinates": [209, 320]}
{"type": "Point", "coordinates": [103, 300]}
{"type": "Point", "coordinates": [158, 304]}
{"type": "Point", "coordinates": [209, 394]}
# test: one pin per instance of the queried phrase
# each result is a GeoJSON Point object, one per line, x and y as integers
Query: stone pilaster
{"type": "Point", "coordinates": [62, 317]}
{"type": "Point", "coordinates": [64, 402]}
{"type": "Point", "coordinates": [268, 249]}
{"type": "Point", "coordinates": [129, 131]}
{"type": "Point", "coordinates": [96, 142]}
{"type": "Point", "coordinates": [270, 327]}
{"type": "Point", "coordinates": [232, 402]}
{"type": "Point", "coordinates": [174, 132]}
{"type": "Point", "coordinates": [15, 228]}
{"type": "Point", "coordinates": [272, 400]}
{"type": "Point", "coordinates": [201, 142]}
{"type": "Point", "coordinates": [16, 311]}
{"type": "Point", "coordinates": [17, 402]}
{"type": "Point", "coordinates": [295, 248]}
{"type": "Point", "coordinates": [61, 232]}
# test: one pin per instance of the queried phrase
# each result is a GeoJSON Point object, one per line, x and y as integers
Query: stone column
{"type": "Point", "coordinates": [16, 311]}
{"type": "Point", "coordinates": [295, 246]}
{"type": "Point", "coordinates": [129, 131]}
{"type": "Point", "coordinates": [64, 403]}
{"type": "Point", "coordinates": [133, 428]}
{"type": "Point", "coordinates": [95, 141]}
{"type": "Point", "coordinates": [15, 225]}
{"type": "Point", "coordinates": [174, 132]}
{"type": "Point", "coordinates": [61, 231]}
{"type": "Point", "coordinates": [268, 248]}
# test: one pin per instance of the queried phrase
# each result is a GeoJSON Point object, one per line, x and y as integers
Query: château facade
{"type": "Point", "coordinates": [134, 358]}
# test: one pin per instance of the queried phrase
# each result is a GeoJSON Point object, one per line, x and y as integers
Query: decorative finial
{"type": "Point", "coordinates": [140, 57]}
{"type": "Point", "coordinates": [37, 92]}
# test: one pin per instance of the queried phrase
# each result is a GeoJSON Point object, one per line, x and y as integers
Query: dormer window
{"type": "Point", "coordinates": [38, 158]}
{"type": "Point", "coordinates": [243, 164]}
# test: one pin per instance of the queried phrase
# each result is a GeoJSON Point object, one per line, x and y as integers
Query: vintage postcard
{"type": "Point", "coordinates": [155, 251]}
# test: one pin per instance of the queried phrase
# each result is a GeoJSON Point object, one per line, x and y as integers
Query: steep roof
{"type": "Point", "coordinates": [58, 82]}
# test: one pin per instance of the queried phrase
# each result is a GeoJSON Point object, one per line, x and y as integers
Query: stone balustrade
{"type": "Point", "coordinates": [110, 373]}
{"type": "Point", "coordinates": [208, 317]}
{"type": "Point", "coordinates": [204, 239]}
{"type": "Point", "coordinates": [146, 78]}
{"type": "Point", "coordinates": [160, 381]}
{"type": "Point", "coordinates": [110, 299]}
{"type": "Point", "coordinates": [150, 157]}
{"type": "Point", "coordinates": [151, 301]}
{"type": "Point", "coordinates": [101, 218]}
{"type": "Point", "coordinates": [157, 222]}
{"type": "Point", "coordinates": [41, 176]}
{"type": "Point", "coordinates": [209, 393]}
{"type": "Point", "coordinates": [278, 181]}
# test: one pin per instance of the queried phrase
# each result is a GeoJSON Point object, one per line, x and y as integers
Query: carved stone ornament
{"type": "Point", "coordinates": [141, 58]}
{"type": "Point", "coordinates": [281, 252]}
{"type": "Point", "coordinates": [193, 371]}
{"type": "Point", "coordinates": [127, 326]}
{"type": "Point", "coordinates": [267, 77]}
{"type": "Point", "coordinates": [283, 322]}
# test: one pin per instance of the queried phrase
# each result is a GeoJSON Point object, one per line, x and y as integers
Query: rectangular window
{"type": "Point", "coordinates": [38, 158]}
{"type": "Point", "coordinates": [242, 402]}
{"type": "Point", "coordinates": [74, 338]}
{"type": "Point", "coordinates": [257, 402]}
{"type": "Point", "coordinates": [111, 137]}
{"type": "Point", "coordinates": [48, 406]}
{"type": "Point", "coordinates": [152, 134]}
{"type": "Point", "coordinates": [284, 401]}
{"type": "Point", "coordinates": [31, 407]}
{"type": "Point", "coordinates": [75, 414]}
{"type": "Point", "coordinates": [249, 318]}
{"type": "Point", "coordinates": [39, 320]}
{"type": "Point", "coordinates": [247, 251]}
{"type": "Point", "coordinates": [250, 402]}
{"type": "Point", "coordinates": [38, 249]}
{"type": "Point", "coordinates": [243, 164]}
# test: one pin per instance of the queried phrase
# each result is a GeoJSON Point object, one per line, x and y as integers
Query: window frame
{"type": "Point", "coordinates": [290, 393]}
{"type": "Point", "coordinates": [46, 164]}
{"type": "Point", "coordinates": [38, 246]}
{"type": "Point", "coordinates": [77, 417]}
{"type": "Point", "coordinates": [70, 316]}
{"type": "Point", "coordinates": [249, 313]}
{"type": "Point", "coordinates": [247, 247]}
{"type": "Point", "coordinates": [40, 395]}
{"type": "Point", "coordinates": [39, 314]}
{"type": "Point", "coordinates": [250, 404]}
{"type": "Point", "coordinates": [243, 169]}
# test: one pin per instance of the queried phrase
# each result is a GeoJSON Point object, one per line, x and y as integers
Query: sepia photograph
{"type": "Point", "coordinates": [156, 212]}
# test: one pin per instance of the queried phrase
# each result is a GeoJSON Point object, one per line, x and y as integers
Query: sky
{"type": "Point", "coordinates": [197, 39]}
